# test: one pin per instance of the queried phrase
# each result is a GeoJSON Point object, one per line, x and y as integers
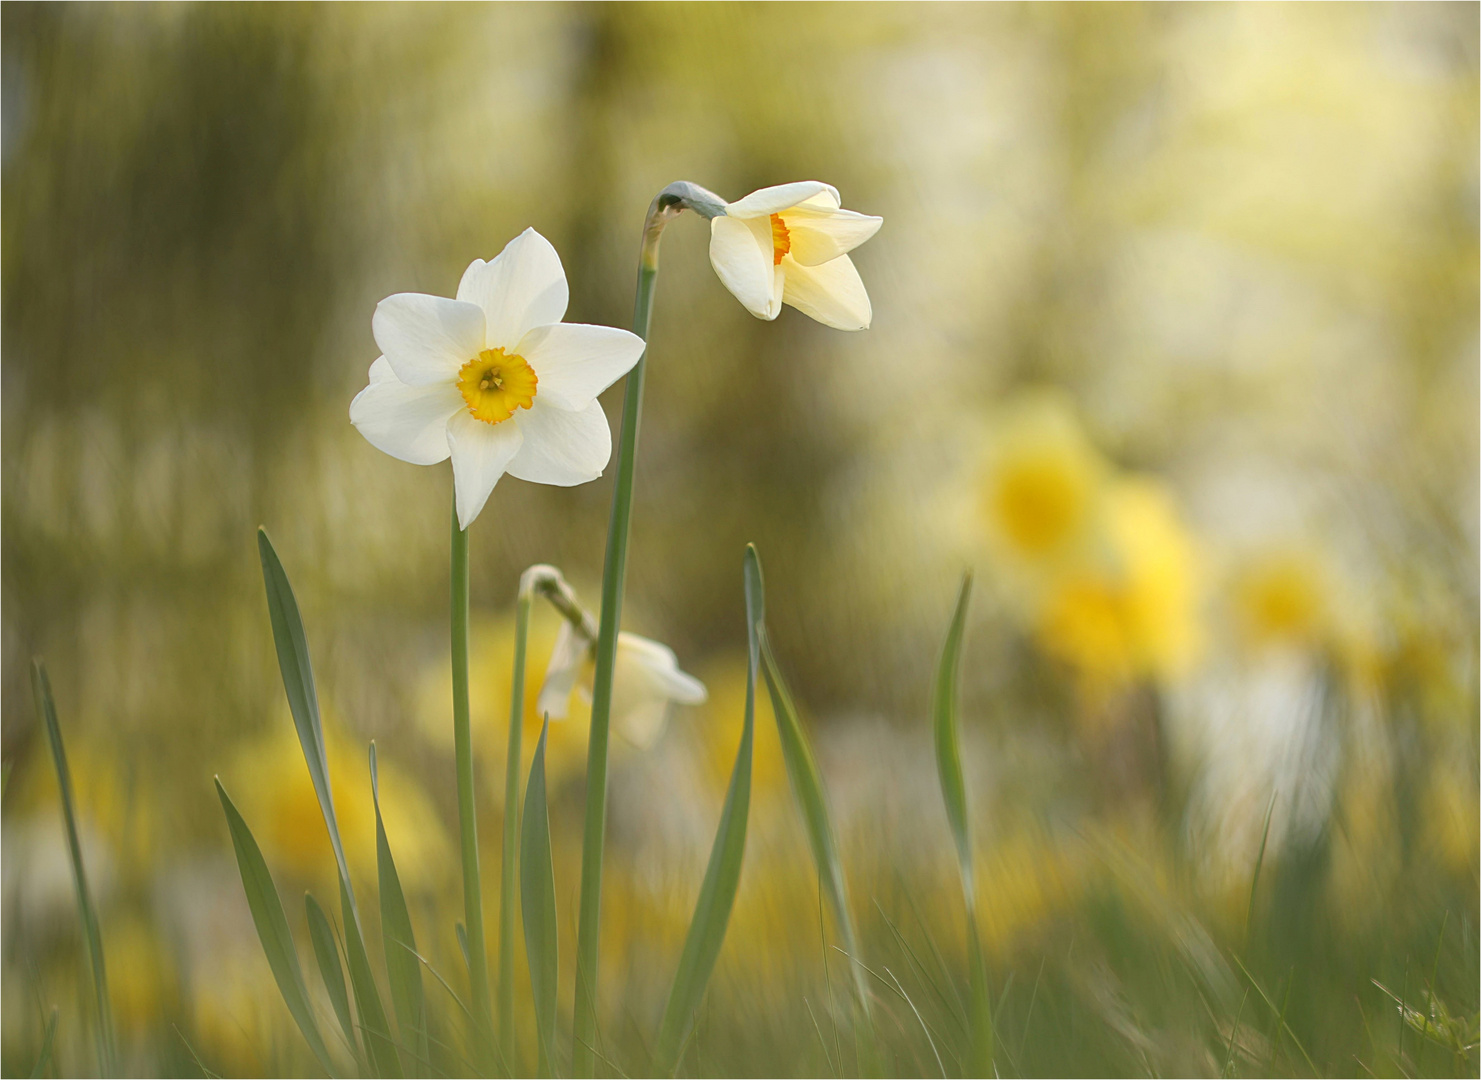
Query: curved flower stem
{"type": "Point", "coordinates": [478, 972]}
{"type": "Point", "coordinates": [669, 203]}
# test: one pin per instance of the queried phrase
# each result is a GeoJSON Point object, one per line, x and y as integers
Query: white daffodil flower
{"type": "Point", "coordinates": [494, 378]}
{"type": "Point", "coordinates": [646, 682]}
{"type": "Point", "coordinates": [789, 245]}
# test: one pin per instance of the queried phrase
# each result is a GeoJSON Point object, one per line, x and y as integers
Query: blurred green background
{"type": "Point", "coordinates": [1175, 344]}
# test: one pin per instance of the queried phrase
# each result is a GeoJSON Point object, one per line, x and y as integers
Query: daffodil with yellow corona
{"type": "Point", "coordinates": [789, 244]}
{"type": "Point", "coordinates": [493, 378]}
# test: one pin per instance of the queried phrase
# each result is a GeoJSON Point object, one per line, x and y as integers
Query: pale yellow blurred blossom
{"type": "Point", "coordinates": [454, 371]}
{"type": "Point", "coordinates": [1130, 611]}
{"type": "Point", "coordinates": [789, 244]}
{"type": "Point", "coordinates": [1282, 597]}
{"type": "Point", "coordinates": [1100, 566]}
{"type": "Point", "coordinates": [646, 683]}
{"type": "Point", "coordinates": [271, 785]}
{"type": "Point", "coordinates": [1041, 484]}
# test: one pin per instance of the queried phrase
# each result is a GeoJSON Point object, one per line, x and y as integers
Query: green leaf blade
{"type": "Point", "coordinates": [946, 731]}
{"type": "Point", "coordinates": [272, 927]}
{"type": "Point", "coordinates": [945, 727]}
{"type": "Point", "coordinates": [537, 905]}
{"type": "Point", "coordinates": [298, 682]}
{"type": "Point", "coordinates": [722, 876]}
{"type": "Point", "coordinates": [326, 952]}
{"type": "Point", "coordinates": [46, 709]}
{"type": "Point", "coordinates": [403, 969]}
{"type": "Point", "coordinates": [375, 1029]}
{"type": "Point", "coordinates": [812, 799]}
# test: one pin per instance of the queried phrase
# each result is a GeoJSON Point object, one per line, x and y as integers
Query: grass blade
{"type": "Point", "coordinates": [537, 905]}
{"type": "Point", "coordinates": [807, 786]}
{"type": "Point", "coordinates": [1249, 911]}
{"type": "Point", "coordinates": [374, 1027]}
{"type": "Point", "coordinates": [298, 682]}
{"type": "Point", "coordinates": [48, 1042]}
{"type": "Point", "coordinates": [946, 730]}
{"type": "Point", "coordinates": [326, 952]}
{"type": "Point", "coordinates": [46, 710]}
{"type": "Point", "coordinates": [272, 928]}
{"type": "Point", "coordinates": [722, 876]}
{"type": "Point", "coordinates": [402, 966]}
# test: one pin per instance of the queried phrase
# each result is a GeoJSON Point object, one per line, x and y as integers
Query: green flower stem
{"type": "Point", "coordinates": [478, 971]}
{"type": "Point", "coordinates": [507, 870]}
{"type": "Point", "coordinates": [669, 204]}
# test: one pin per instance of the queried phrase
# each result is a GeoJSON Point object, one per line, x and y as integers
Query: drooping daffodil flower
{"type": "Point", "coordinates": [789, 245]}
{"type": "Point", "coordinates": [646, 682]}
{"type": "Point", "coordinates": [493, 378]}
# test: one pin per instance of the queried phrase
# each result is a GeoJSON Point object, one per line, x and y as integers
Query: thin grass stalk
{"type": "Point", "coordinates": [667, 205]}
{"type": "Point", "coordinates": [47, 710]}
{"type": "Point", "coordinates": [478, 972]}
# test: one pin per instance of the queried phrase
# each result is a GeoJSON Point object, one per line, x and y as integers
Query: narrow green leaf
{"type": "Point", "coordinates": [326, 951]}
{"type": "Point", "coordinates": [46, 710]}
{"type": "Point", "coordinates": [948, 740]}
{"type": "Point", "coordinates": [947, 731]}
{"type": "Point", "coordinates": [812, 799]}
{"type": "Point", "coordinates": [374, 1027]}
{"type": "Point", "coordinates": [272, 927]}
{"type": "Point", "coordinates": [722, 875]}
{"type": "Point", "coordinates": [537, 904]}
{"type": "Point", "coordinates": [298, 682]}
{"type": "Point", "coordinates": [462, 936]}
{"type": "Point", "coordinates": [402, 966]}
{"type": "Point", "coordinates": [48, 1042]}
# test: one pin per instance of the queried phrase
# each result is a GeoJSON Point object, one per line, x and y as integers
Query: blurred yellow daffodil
{"type": "Point", "coordinates": [1042, 483]}
{"type": "Point", "coordinates": [789, 245]}
{"type": "Point", "coordinates": [646, 682]}
{"type": "Point", "coordinates": [454, 371]}
{"type": "Point", "coordinates": [1131, 610]}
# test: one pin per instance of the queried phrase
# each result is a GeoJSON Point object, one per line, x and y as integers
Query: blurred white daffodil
{"type": "Point", "coordinates": [789, 245]}
{"type": "Point", "coordinates": [646, 682]}
{"type": "Point", "coordinates": [494, 378]}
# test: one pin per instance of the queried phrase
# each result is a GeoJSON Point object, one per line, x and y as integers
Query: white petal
{"type": "Point", "coordinates": [522, 288]}
{"type": "Point", "coordinates": [742, 254]}
{"type": "Point", "coordinates": [407, 422]}
{"type": "Point", "coordinates": [660, 669]}
{"type": "Point", "coordinates": [823, 200]}
{"type": "Point", "coordinates": [647, 682]}
{"type": "Point", "coordinates": [820, 236]}
{"type": "Point", "coordinates": [641, 723]}
{"type": "Point", "coordinates": [560, 676]}
{"type": "Point", "coordinates": [773, 200]}
{"type": "Point", "coordinates": [427, 338]}
{"type": "Point", "coordinates": [575, 362]}
{"type": "Point", "coordinates": [481, 454]}
{"type": "Point", "coordinates": [563, 447]}
{"type": "Point", "coordinates": [831, 293]}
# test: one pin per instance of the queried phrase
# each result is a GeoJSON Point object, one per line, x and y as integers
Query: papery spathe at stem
{"type": "Point", "coordinates": [789, 245]}
{"type": "Point", "coordinates": [493, 378]}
